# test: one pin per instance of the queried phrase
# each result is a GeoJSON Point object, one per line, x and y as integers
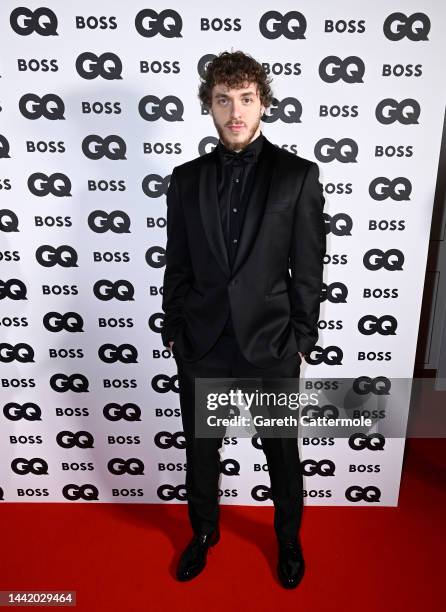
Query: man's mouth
{"type": "Point", "coordinates": [236, 127]}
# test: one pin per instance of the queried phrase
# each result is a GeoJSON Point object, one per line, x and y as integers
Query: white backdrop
{"type": "Point", "coordinates": [83, 421]}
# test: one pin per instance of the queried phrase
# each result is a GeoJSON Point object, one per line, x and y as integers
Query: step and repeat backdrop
{"type": "Point", "coordinates": [98, 103]}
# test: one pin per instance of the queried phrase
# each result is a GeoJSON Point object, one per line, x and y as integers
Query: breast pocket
{"type": "Point", "coordinates": [278, 206]}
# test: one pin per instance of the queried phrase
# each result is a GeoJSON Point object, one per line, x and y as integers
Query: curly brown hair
{"type": "Point", "coordinates": [234, 69]}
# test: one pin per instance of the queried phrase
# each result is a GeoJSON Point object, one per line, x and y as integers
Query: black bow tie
{"type": "Point", "coordinates": [247, 156]}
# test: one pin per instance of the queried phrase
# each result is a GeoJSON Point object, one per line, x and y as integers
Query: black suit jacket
{"type": "Point", "coordinates": [274, 313]}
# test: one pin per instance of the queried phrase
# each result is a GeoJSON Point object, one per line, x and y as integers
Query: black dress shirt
{"type": "Point", "coordinates": [235, 177]}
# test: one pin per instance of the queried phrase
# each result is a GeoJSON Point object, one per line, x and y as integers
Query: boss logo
{"type": "Point", "coordinates": [323, 467]}
{"type": "Point", "coordinates": [155, 186]}
{"type": "Point", "coordinates": [13, 289]}
{"type": "Point", "coordinates": [91, 66]}
{"type": "Point", "coordinates": [74, 492]}
{"type": "Point", "coordinates": [121, 290]}
{"type": "Point", "coordinates": [336, 293]}
{"type": "Point", "coordinates": [286, 68]}
{"type": "Point", "coordinates": [350, 70]}
{"type": "Point", "coordinates": [288, 110]}
{"type": "Point", "coordinates": [376, 259]}
{"type": "Point", "coordinates": [25, 21]}
{"type": "Point", "coordinates": [339, 224]}
{"type": "Point", "coordinates": [345, 150]}
{"type": "Point", "coordinates": [372, 442]}
{"type": "Point", "coordinates": [79, 439]}
{"type": "Point", "coordinates": [27, 411]}
{"type": "Point", "coordinates": [36, 466]}
{"type": "Point", "coordinates": [9, 221]}
{"type": "Point", "coordinates": [126, 412]}
{"type": "Point", "coordinates": [156, 257]}
{"type": "Point", "coordinates": [165, 439]}
{"type": "Point", "coordinates": [158, 67]}
{"type": "Point", "coordinates": [406, 112]}
{"type": "Point", "coordinates": [161, 383]}
{"type": "Point", "coordinates": [91, 22]}
{"type": "Point", "coordinates": [50, 106]}
{"type": "Point", "coordinates": [62, 383]}
{"type": "Point", "coordinates": [112, 147]}
{"type": "Point", "coordinates": [58, 184]}
{"type": "Point", "coordinates": [167, 23]}
{"type": "Point", "coordinates": [49, 256]}
{"type": "Point", "coordinates": [111, 353]}
{"type": "Point", "coordinates": [4, 147]}
{"type": "Point", "coordinates": [398, 189]}
{"type": "Point", "coordinates": [415, 27]}
{"type": "Point", "coordinates": [331, 355]}
{"type": "Point", "coordinates": [368, 494]}
{"type": "Point", "coordinates": [230, 467]}
{"type": "Point", "coordinates": [70, 321]}
{"type": "Point", "coordinates": [22, 352]}
{"type": "Point", "coordinates": [152, 108]}
{"type": "Point", "coordinates": [131, 466]}
{"type": "Point", "coordinates": [216, 25]}
{"type": "Point", "coordinates": [386, 325]}
{"type": "Point", "coordinates": [170, 492]}
{"type": "Point", "coordinates": [291, 25]}
{"type": "Point", "coordinates": [261, 493]}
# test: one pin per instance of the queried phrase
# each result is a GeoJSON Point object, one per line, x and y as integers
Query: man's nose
{"type": "Point", "coordinates": [236, 110]}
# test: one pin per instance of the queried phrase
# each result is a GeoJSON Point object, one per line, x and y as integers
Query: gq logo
{"type": "Point", "coordinates": [372, 442]}
{"type": "Point", "coordinates": [14, 289]}
{"type": "Point", "coordinates": [22, 352]}
{"type": "Point", "coordinates": [25, 21]}
{"type": "Point", "coordinates": [28, 411]}
{"type": "Point", "coordinates": [111, 353]}
{"type": "Point", "coordinates": [369, 494]}
{"type": "Point", "coordinates": [50, 106]}
{"type": "Point", "coordinates": [112, 147]}
{"type": "Point", "coordinates": [117, 221]}
{"type": "Point", "coordinates": [70, 321]}
{"type": "Point", "coordinates": [107, 65]}
{"type": "Point", "coordinates": [398, 189]}
{"type": "Point", "coordinates": [64, 255]}
{"type": "Point", "coordinates": [376, 259]}
{"type": "Point", "coordinates": [323, 467]}
{"type": "Point", "coordinates": [80, 439]}
{"type": "Point", "coordinates": [152, 108]}
{"type": "Point", "coordinates": [169, 492]}
{"type": "Point", "coordinates": [379, 385]}
{"type": "Point", "coordinates": [261, 493]}
{"type": "Point", "coordinates": [288, 110]}
{"type": "Point", "coordinates": [291, 25]}
{"type": "Point", "coordinates": [74, 492]}
{"type": "Point", "coordinates": [165, 440]}
{"type": "Point", "coordinates": [41, 185]}
{"type": "Point", "coordinates": [161, 383]}
{"type": "Point", "coordinates": [149, 23]}
{"type": "Point", "coordinates": [385, 325]}
{"type": "Point", "coordinates": [350, 70]}
{"type": "Point", "coordinates": [339, 224]}
{"type": "Point", "coordinates": [335, 293]}
{"type": "Point", "coordinates": [415, 27]}
{"type": "Point", "coordinates": [207, 145]}
{"type": "Point", "coordinates": [4, 147]}
{"type": "Point", "coordinates": [121, 290]}
{"type": "Point", "coordinates": [9, 221]}
{"type": "Point", "coordinates": [406, 112]}
{"type": "Point", "coordinates": [132, 466]}
{"type": "Point", "coordinates": [36, 466]}
{"type": "Point", "coordinates": [155, 186]}
{"type": "Point", "coordinates": [345, 150]}
{"type": "Point", "coordinates": [331, 355]}
{"type": "Point", "coordinates": [128, 412]}
{"type": "Point", "coordinates": [62, 383]}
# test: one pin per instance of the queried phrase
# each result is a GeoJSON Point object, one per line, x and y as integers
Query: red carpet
{"type": "Point", "coordinates": [122, 557]}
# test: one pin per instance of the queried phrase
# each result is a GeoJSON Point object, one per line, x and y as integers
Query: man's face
{"type": "Point", "coordinates": [236, 114]}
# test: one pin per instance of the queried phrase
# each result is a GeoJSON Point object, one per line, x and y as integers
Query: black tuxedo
{"type": "Point", "coordinates": [274, 314]}
{"type": "Point", "coordinates": [248, 319]}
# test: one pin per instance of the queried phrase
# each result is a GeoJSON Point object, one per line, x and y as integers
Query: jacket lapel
{"type": "Point", "coordinates": [255, 206]}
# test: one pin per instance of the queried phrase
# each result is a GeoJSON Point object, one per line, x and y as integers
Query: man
{"type": "Point", "coordinates": [238, 219]}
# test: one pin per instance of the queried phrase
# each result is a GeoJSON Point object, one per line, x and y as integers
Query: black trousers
{"type": "Point", "coordinates": [225, 360]}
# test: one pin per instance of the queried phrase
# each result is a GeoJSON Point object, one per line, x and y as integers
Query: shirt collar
{"type": "Point", "coordinates": [256, 145]}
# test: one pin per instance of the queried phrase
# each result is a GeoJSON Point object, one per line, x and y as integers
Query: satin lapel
{"type": "Point", "coordinates": [256, 203]}
{"type": "Point", "coordinates": [210, 211]}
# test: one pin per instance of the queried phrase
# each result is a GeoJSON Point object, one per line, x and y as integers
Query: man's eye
{"type": "Point", "coordinates": [248, 99]}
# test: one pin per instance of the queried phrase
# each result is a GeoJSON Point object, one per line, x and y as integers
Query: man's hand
{"type": "Point", "coordinates": [171, 342]}
{"type": "Point", "coordinates": [301, 355]}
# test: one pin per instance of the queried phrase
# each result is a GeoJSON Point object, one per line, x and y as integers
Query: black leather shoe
{"type": "Point", "coordinates": [193, 558]}
{"type": "Point", "coordinates": [291, 565]}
